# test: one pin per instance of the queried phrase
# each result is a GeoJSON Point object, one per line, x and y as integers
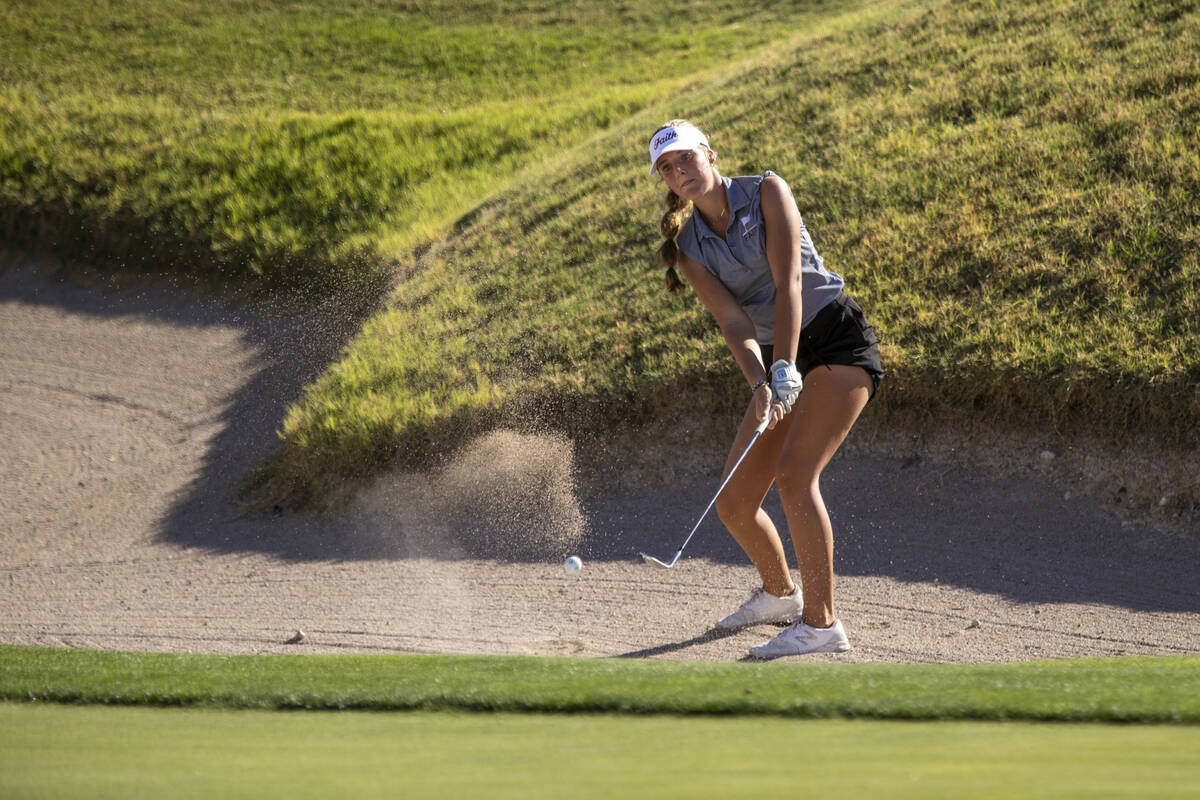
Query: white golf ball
{"type": "Point", "coordinates": [572, 565]}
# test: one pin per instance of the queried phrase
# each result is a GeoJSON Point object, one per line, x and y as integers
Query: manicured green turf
{"type": "Point", "coordinates": [58, 751]}
{"type": "Point", "coordinates": [1128, 689]}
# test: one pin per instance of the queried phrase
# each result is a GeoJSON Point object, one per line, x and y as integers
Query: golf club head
{"type": "Point", "coordinates": [649, 559]}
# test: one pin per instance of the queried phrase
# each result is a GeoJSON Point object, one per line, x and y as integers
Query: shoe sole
{"type": "Point", "coordinates": [773, 656]}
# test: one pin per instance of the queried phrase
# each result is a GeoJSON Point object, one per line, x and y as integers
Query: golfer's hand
{"type": "Point", "coordinates": [786, 384]}
{"type": "Point", "coordinates": [764, 405]}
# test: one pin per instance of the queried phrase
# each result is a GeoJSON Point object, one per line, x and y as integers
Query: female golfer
{"type": "Point", "coordinates": [746, 253]}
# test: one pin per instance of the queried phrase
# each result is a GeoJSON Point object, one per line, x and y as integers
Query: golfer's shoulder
{"type": "Point", "coordinates": [757, 188]}
{"type": "Point", "coordinates": [754, 183]}
{"type": "Point", "coordinates": [773, 187]}
{"type": "Point", "coordinates": [775, 196]}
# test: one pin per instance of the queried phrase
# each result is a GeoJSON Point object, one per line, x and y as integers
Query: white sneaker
{"type": "Point", "coordinates": [764, 607]}
{"type": "Point", "coordinates": [801, 638]}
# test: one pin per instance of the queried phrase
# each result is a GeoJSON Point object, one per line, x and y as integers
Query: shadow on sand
{"type": "Point", "coordinates": [1015, 537]}
{"type": "Point", "coordinates": [710, 635]}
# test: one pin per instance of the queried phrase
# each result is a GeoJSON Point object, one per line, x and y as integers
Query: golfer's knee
{"type": "Point", "coordinates": [796, 486]}
{"type": "Point", "coordinates": [734, 512]}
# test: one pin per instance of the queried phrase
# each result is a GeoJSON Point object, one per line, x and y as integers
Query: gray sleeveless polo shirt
{"type": "Point", "coordinates": [740, 259]}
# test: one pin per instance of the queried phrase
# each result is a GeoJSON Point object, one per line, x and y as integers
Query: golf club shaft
{"type": "Point", "coordinates": [762, 426]}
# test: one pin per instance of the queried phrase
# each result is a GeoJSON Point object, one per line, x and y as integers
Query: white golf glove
{"type": "Point", "coordinates": [785, 384]}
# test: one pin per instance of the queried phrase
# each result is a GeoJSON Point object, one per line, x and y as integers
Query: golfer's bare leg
{"type": "Point", "coordinates": [832, 399]}
{"type": "Point", "coordinates": [740, 505]}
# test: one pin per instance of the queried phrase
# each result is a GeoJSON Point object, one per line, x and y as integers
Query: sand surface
{"type": "Point", "coordinates": [128, 416]}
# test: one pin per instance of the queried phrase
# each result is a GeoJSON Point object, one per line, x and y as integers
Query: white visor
{"type": "Point", "coordinates": [684, 137]}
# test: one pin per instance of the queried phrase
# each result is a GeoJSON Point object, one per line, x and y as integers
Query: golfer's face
{"type": "Point", "coordinates": [687, 173]}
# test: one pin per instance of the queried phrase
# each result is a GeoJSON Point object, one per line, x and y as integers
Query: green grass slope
{"type": "Point", "coordinates": [302, 145]}
{"type": "Point", "coordinates": [1008, 187]}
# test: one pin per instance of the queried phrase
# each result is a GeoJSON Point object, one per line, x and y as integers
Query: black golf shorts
{"type": "Point", "coordinates": [839, 334]}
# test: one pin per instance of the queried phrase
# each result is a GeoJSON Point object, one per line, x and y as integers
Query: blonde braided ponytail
{"type": "Point", "coordinates": [668, 251]}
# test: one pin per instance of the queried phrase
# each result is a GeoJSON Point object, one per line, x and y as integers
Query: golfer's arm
{"type": "Point", "coordinates": [735, 325]}
{"type": "Point", "coordinates": [782, 220]}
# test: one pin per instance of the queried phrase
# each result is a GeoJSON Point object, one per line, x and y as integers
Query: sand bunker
{"type": "Point", "coordinates": [130, 417]}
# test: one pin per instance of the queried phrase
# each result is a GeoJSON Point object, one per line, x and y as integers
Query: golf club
{"type": "Point", "coordinates": [649, 559]}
